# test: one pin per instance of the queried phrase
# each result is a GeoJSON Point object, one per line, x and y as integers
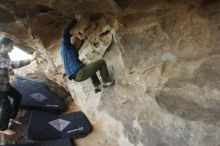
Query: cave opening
{"type": "Point", "coordinates": [18, 54]}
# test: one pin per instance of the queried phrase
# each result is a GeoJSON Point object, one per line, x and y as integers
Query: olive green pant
{"type": "Point", "coordinates": [89, 71]}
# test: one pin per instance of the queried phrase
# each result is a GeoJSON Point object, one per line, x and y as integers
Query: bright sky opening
{"type": "Point", "coordinates": [17, 54]}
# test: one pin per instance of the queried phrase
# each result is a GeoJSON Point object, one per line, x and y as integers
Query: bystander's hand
{"type": "Point", "coordinates": [35, 55]}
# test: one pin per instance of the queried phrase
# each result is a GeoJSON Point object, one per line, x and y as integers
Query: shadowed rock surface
{"type": "Point", "coordinates": [164, 55]}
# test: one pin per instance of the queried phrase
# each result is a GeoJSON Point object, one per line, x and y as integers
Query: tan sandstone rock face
{"type": "Point", "coordinates": [164, 55]}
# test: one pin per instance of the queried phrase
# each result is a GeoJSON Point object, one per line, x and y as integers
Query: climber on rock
{"type": "Point", "coordinates": [8, 110]}
{"type": "Point", "coordinates": [75, 69]}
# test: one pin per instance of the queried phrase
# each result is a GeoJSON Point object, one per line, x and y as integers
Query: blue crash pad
{"type": "Point", "coordinates": [46, 126]}
{"type": "Point", "coordinates": [36, 95]}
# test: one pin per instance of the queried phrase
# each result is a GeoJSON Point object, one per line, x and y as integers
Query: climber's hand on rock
{"type": "Point", "coordinates": [78, 16]}
{"type": "Point", "coordinates": [84, 36]}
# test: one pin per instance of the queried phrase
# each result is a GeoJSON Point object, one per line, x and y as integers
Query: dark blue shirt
{"type": "Point", "coordinates": [68, 53]}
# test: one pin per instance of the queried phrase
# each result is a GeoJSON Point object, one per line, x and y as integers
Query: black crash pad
{"type": "Point", "coordinates": [36, 95]}
{"type": "Point", "coordinates": [46, 126]}
{"type": "Point", "coordinates": [58, 142]}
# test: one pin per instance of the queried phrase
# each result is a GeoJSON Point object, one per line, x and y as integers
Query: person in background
{"type": "Point", "coordinates": [75, 69]}
{"type": "Point", "coordinates": [8, 110]}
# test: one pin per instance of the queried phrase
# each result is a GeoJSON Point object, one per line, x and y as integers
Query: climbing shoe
{"type": "Point", "coordinates": [108, 84]}
{"type": "Point", "coordinates": [98, 88]}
